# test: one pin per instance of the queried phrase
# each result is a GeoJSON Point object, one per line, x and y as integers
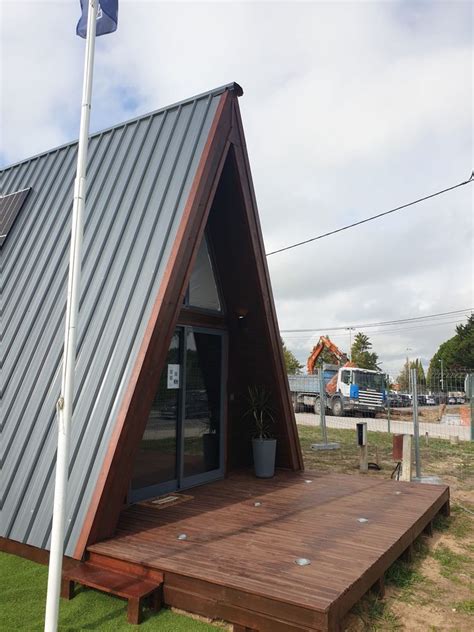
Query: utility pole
{"type": "Point", "coordinates": [416, 429]}
{"type": "Point", "coordinates": [408, 370]}
{"type": "Point", "coordinates": [442, 379]}
{"type": "Point", "coordinates": [351, 329]}
{"type": "Point", "coordinates": [470, 394]}
{"type": "Point", "coordinates": [388, 403]}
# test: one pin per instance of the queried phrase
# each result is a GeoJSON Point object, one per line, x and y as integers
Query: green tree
{"type": "Point", "coordinates": [293, 367]}
{"type": "Point", "coordinates": [457, 353]}
{"type": "Point", "coordinates": [403, 378]}
{"type": "Point", "coordinates": [420, 371]}
{"type": "Point", "coordinates": [361, 354]}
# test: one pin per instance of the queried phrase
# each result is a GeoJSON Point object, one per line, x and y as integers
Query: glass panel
{"type": "Point", "coordinates": [202, 419]}
{"type": "Point", "coordinates": [202, 286]}
{"type": "Point", "coordinates": [156, 461]}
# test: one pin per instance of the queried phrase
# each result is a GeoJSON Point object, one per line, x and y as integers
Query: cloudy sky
{"type": "Point", "coordinates": [350, 109]}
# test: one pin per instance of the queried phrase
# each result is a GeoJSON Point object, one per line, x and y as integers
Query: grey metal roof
{"type": "Point", "coordinates": [139, 177]}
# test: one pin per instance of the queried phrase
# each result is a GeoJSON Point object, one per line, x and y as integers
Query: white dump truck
{"type": "Point", "coordinates": [350, 389]}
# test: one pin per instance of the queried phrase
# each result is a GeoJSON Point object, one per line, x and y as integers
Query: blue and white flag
{"type": "Point", "coordinates": [107, 17]}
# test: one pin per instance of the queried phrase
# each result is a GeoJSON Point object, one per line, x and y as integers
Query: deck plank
{"type": "Point", "coordinates": [235, 550]}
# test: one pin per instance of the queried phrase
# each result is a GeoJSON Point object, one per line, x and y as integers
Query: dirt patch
{"type": "Point", "coordinates": [217, 622]}
{"type": "Point", "coordinates": [430, 414]}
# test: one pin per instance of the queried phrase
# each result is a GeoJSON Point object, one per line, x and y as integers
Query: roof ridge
{"type": "Point", "coordinates": [233, 86]}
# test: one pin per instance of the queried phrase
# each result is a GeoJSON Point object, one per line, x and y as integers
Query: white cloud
{"type": "Point", "coordinates": [349, 109]}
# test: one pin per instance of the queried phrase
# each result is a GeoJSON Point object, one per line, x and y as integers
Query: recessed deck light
{"type": "Point", "coordinates": [182, 536]}
{"type": "Point", "coordinates": [308, 480]}
{"type": "Point", "coordinates": [302, 561]}
{"type": "Point", "coordinates": [257, 504]}
{"type": "Point", "coordinates": [362, 520]}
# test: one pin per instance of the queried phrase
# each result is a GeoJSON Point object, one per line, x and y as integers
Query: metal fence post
{"type": "Point", "coordinates": [388, 403]}
{"type": "Point", "coordinates": [470, 394]}
{"type": "Point", "coordinates": [416, 432]}
{"type": "Point", "coordinates": [322, 399]}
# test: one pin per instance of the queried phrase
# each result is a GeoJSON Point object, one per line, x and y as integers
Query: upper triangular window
{"type": "Point", "coordinates": [203, 289]}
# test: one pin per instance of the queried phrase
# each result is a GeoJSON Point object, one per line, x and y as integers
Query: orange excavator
{"type": "Point", "coordinates": [324, 343]}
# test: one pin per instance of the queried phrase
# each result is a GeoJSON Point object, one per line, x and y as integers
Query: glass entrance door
{"type": "Point", "coordinates": [156, 466]}
{"type": "Point", "coordinates": [202, 407]}
{"type": "Point", "coordinates": [183, 442]}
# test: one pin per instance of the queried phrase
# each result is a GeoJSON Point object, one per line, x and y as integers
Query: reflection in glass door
{"type": "Point", "coordinates": [156, 466]}
{"type": "Point", "coordinates": [202, 405]}
{"type": "Point", "coordinates": [183, 441]}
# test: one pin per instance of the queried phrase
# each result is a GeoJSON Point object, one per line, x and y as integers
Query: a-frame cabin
{"type": "Point", "coordinates": [176, 321]}
{"type": "Point", "coordinates": [175, 286]}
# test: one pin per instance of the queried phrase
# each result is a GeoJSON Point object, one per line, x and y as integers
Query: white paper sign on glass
{"type": "Point", "coordinates": [173, 375]}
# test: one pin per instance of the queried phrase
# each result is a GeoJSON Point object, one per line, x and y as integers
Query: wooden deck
{"type": "Point", "coordinates": [238, 561]}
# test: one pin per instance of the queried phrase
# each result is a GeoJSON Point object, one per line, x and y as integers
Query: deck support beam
{"type": "Point", "coordinates": [379, 587]}
{"type": "Point", "coordinates": [446, 509]}
{"type": "Point", "coordinates": [407, 555]}
{"type": "Point", "coordinates": [428, 530]}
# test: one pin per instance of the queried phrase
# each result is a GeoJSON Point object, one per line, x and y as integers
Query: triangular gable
{"type": "Point", "coordinates": [225, 145]}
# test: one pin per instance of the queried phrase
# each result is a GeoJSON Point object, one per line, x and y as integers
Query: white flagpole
{"type": "Point", "coordinates": [64, 406]}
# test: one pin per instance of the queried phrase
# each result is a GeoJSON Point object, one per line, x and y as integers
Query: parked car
{"type": "Point", "coordinates": [451, 400]}
{"type": "Point", "coordinates": [430, 400]}
{"type": "Point", "coordinates": [393, 400]}
{"type": "Point", "coordinates": [460, 400]}
{"type": "Point", "coordinates": [405, 399]}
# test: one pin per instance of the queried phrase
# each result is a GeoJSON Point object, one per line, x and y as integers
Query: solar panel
{"type": "Point", "coordinates": [10, 206]}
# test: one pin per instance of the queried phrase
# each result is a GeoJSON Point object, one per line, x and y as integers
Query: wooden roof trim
{"type": "Point", "coordinates": [112, 482]}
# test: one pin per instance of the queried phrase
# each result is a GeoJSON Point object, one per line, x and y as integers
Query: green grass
{"type": "Point", "coordinates": [410, 583]}
{"type": "Point", "coordinates": [439, 457]}
{"type": "Point", "coordinates": [465, 606]}
{"type": "Point", "coordinates": [403, 575]}
{"type": "Point", "coordinates": [376, 615]}
{"type": "Point", "coordinates": [461, 523]}
{"type": "Point", "coordinates": [22, 602]}
{"type": "Point", "coordinates": [451, 564]}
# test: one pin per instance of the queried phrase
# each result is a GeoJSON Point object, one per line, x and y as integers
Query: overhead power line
{"type": "Point", "coordinates": [369, 219]}
{"type": "Point", "coordinates": [384, 332]}
{"type": "Point", "coordinates": [379, 324]}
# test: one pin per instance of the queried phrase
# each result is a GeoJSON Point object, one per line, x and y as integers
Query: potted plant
{"type": "Point", "coordinates": [263, 444]}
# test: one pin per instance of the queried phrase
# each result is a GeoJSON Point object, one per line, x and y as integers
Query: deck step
{"type": "Point", "coordinates": [134, 589]}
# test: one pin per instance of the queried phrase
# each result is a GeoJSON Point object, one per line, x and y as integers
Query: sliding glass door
{"type": "Point", "coordinates": [156, 465]}
{"type": "Point", "coordinates": [183, 442]}
{"type": "Point", "coordinates": [202, 406]}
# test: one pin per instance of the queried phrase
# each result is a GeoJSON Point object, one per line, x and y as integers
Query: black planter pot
{"type": "Point", "coordinates": [264, 452]}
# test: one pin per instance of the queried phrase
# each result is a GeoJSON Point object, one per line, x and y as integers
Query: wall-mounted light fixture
{"type": "Point", "coordinates": [241, 314]}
